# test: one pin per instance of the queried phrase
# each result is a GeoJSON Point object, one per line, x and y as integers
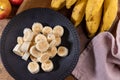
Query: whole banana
{"type": "Point", "coordinates": [93, 15]}
{"type": "Point", "coordinates": [78, 12]}
{"type": "Point", "coordinates": [109, 15]}
{"type": "Point", "coordinates": [57, 4]}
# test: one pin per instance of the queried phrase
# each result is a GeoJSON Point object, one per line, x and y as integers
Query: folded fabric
{"type": "Point", "coordinates": [101, 59]}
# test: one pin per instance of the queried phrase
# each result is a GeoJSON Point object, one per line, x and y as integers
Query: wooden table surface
{"type": "Point", "coordinates": [27, 4]}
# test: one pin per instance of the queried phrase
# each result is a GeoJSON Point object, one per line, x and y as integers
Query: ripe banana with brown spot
{"type": "Point", "coordinates": [93, 13]}
{"type": "Point", "coordinates": [109, 14]}
{"type": "Point", "coordinates": [78, 12]}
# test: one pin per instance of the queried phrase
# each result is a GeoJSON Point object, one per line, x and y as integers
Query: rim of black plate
{"type": "Point", "coordinates": [72, 29]}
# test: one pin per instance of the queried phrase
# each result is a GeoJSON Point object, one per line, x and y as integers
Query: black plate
{"type": "Point", "coordinates": [18, 67]}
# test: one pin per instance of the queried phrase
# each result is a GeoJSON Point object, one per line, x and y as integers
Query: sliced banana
{"type": "Point", "coordinates": [33, 67]}
{"type": "Point", "coordinates": [28, 35]}
{"type": "Point", "coordinates": [40, 37]}
{"type": "Point", "coordinates": [47, 66]}
{"type": "Point", "coordinates": [42, 46]}
{"type": "Point", "coordinates": [50, 37]}
{"type": "Point", "coordinates": [26, 56]}
{"type": "Point", "coordinates": [47, 30]}
{"type": "Point", "coordinates": [58, 41]}
{"type": "Point", "coordinates": [34, 59]}
{"type": "Point", "coordinates": [26, 30]}
{"type": "Point", "coordinates": [25, 46]}
{"type": "Point", "coordinates": [20, 40]}
{"type": "Point", "coordinates": [58, 30]}
{"type": "Point", "coordinates": [52, 52]}
{"type": "Point", "coordinates": [44, 57]}
{"type": "Point", "coordinates": [34, 52]}
{"type": "Point", "coordinates": [62, 51]}
{"type": "Point", "coordinates": [52, 43]}
{"type": "Point", "coordinates": [32, 44]}
{"type": "Point", "coordinates": [17, 51]}
{"type": "Point", "coordinates": [55, 42]}
{"type": "Point", "coordinates": [37, 27]}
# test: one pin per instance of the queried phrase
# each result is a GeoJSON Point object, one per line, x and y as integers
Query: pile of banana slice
{"type": "Point", "coordinates": [40, 44]}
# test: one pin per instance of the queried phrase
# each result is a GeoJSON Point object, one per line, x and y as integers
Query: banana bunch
{"type": "Point", "coordinates": [99, 14]}
{"type": "Point", "coordinates": [40, 44]}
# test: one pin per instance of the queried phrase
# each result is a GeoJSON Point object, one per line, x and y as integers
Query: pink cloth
{"type": "Point", "coordinates": [101, 59]}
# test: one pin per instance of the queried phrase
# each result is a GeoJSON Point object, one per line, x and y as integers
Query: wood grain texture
{"type": "Point", "coordinates": [27, 4]}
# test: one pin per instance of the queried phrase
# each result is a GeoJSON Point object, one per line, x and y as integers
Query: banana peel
{"type": "Point", "coordinates": [58, 4]}
{"type": "Point", "coordinates": [78, 12]}
{"type": "Point", "coordinates": [93, 15]}
{"type": "Point", "coordinates": [109, 14]}
{"type": "Point", "coordinates": [69, 3]}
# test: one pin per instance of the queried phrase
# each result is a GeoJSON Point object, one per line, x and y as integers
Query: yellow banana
{"type": "Point", "coordinates": [69, 3]}
{"type": "Point", "coordinates": [57, 4]}
{"type": "Point", "coordinates": [33, 67]}
{"type": "Point", "coordinates": [93, 15]}
{"type": "Point", "coordinates": [62, 51]}
{"type": "Point", "coordinates": [109, 15]}
{"type": "Point", "coordinates": [78, 12]}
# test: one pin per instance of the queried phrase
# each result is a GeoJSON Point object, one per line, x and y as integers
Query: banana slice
{"type": "Point", "coordinates": [17, 51]}
{"type": "Point", "coordinates": [44, 57]}
{"type": "Point", "coordinates": [40, 37]}
{"type": "Point", "coordinates": [34, 52]}
{"type": "Point", "coordinates": [26, 30]}
{"type": "Point", "coordinates": [42, 46]}
{"type": "Point", "coordinates": [47, 30]}
{"type": "Point", "coordinates": [52, 52]}
{"type": "Point", "coordinates": [50, 37]}
{"type": "Point", "coordinates": [55, 42]}
{"type": "Point", "coordinates": [28, 35]}
{"type": "Point", "coordinates": [33, 67]}
{"type": "Point", "coordinates": [25, 46]}
{"type": "Point", "coordinates": [37, 27]}
{"type": "Point", "coordinates": [58, 41]}
{"type": "Point", "coordinates": [26, 56]}
{"type": "Point", "coordinates": [47, 66]}
{"type": "Point", "coordinates": [20, 40]}
{"type": "Point", "coordinates": [58, 30]}
{"type": "Point", "coordinates": [52, 43]}
{"type": "Point", "coordinates": [34, 59]}
{"type": "Point", "coordinates": [62, 51]}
